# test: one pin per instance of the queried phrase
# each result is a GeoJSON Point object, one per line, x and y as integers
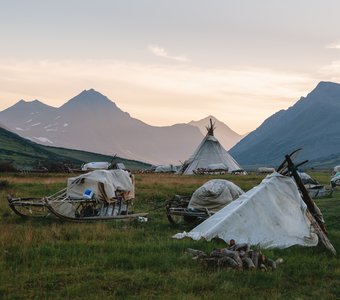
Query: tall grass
{"type": "Point", "coordinates": [51, 259]}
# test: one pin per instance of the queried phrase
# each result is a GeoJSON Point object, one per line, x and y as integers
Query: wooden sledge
{"type": "Point", "coordinates": [177, 211]}
{"type": "Point", "coordinates": [74, 209]}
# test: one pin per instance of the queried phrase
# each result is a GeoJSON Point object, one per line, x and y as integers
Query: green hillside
{"type": "Point", "coordinates": [28, 155]}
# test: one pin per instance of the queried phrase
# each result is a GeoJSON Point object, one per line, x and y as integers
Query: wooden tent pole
{"type": "Point", "coordinates": [305, 196]}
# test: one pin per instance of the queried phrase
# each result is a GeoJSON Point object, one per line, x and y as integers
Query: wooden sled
{"type": "Point", "coordinates": [177, 211]}
{"type": "Point", "coordinates": [74, 209]}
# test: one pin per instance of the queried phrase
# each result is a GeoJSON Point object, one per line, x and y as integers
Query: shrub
{"type": "Point", "coordinates": [6, 166]}
{"type": "Point", "coordinates": [4, 184]}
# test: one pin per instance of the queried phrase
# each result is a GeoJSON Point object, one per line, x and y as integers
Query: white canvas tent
{"type": "Point", "coordinates": [209, 153]}
{"type": "Point", "coordinates": [271, 215]}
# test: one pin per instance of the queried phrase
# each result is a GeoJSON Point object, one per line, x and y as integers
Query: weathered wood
{"type": "Point", "coordinates": [305, 196]}
{"type": "Point", "coordinates": [312, 213]}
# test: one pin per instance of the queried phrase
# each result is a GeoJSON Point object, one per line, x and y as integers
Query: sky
{"type": "Point", "coordinates": [168, 62]}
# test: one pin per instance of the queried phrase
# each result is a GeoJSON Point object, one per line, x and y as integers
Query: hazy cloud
{"type": "Point", "coordinates": [242, 98]}
{"type": "Point", "coordinates": [161, 52]}
{"type": "Point", "coordinates": [333, 46]}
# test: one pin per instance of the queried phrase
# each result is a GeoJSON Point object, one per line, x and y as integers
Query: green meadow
{"type": "Point", "coordinates": [52, 259]}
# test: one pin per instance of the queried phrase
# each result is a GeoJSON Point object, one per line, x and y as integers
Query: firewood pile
{"type": "Point", "coordinates": [236, 256]}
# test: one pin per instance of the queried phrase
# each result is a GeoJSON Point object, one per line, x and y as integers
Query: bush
{"type": "Point", "coordinates": [6, 166]}
{"type": "Point", "coordinates": [4, 184]}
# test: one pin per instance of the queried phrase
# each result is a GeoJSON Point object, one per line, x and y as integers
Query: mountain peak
{"type": "Point", "coordinates": [223, 132]}
{"type": "Point", "coordinates": [327, 84]}
{"type": "Point", "coordinates": [325, 91]}
{"type": "Point", "coordinates": [90, 98]}
{"type": "Point", "coordinates": [29, 105]}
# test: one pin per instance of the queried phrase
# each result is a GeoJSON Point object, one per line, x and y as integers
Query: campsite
{"type": "Point", "coordinates": [50, 258]}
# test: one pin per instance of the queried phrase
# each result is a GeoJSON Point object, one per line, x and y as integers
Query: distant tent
{"type": "Point", "coordinates": [209, 154]}
{"type": "Point", "coordinates": [265, 170]}
{"type": "Point", "coordinates": [313, 187]}
{"type": "Point", "coordinates": [271, 215]}
{"type": "Point", "coordinates": [336, 169]}
{"type": "Point", "coordinates": [335, 181]}
{"type": "Point", "coordinates": [96, 165]}
{"type": "Point", "coordinates": [166, 169]}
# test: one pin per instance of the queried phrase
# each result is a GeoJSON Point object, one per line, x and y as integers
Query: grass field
{"type": "Point", "coordinates": [51, 259]}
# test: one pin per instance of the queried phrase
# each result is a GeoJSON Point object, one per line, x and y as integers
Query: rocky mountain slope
{"type": "Point", "coordinates": [312, 123]}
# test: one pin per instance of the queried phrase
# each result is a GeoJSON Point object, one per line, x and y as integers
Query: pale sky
{"type": "Point", "coordinates": [168, 62]}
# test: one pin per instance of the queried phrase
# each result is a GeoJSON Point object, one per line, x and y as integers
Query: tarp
{"type": "Point", "coordinates": [166, 169]}
{"type": "Point", "coordinates": [271, 215]}
{"type": "Point", "coordinates": [110, 180]}
{"type": "Point", "coordinates": [214, 195]}
{"type": "Point", "coordinates": [336, 179]}
{"type": "Point", "coordinates": [98, 165]}
{"type": "Point", "coordinates": [336, 169]}
{"type": "Point", "coordinates": [306, 178]}
{"type": "Point", "coordinates": [220, 166]}
{"type": "Point", "coordinates": [314, 188]}
{"type": "Point", "coordinates": [266, 170]}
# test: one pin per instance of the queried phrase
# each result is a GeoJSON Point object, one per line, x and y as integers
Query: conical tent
{"type": "Point", "coordinates": [209, 155]}
{"type": "Point", "coordinates": [271, 215]}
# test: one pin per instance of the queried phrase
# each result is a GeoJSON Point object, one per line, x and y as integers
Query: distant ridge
{"type": "Point", "coordinates": [312, 123]}
{"type": "Point", "coordinates": [26, 154]}
{"type": "Point", "coordinates": [92, 122]}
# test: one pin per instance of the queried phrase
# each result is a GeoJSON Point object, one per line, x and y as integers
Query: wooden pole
{"type": "Point", "coordinates": [305, 196]}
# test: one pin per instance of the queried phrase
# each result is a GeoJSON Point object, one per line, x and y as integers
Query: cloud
{"type": "Point", "coordinates": [333, 46]}
{"type": "Point", "coordinates": [242, 97]}
{"type": "Point", "coordinates": [161, 52]}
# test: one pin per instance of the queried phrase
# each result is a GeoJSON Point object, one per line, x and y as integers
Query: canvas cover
{"type": "Point", "coordinates": [214, 195]}
{"type": "Point", "coordinates": [266, 170]}
{"type": "Point", "coordinates": [271, 215]}
{"type": "Point", "coordinates": [209, 152]}
{"type": "Point", "coordinates": [110, 180]}
{"type": "Point", "coordinates": [336, 179]}
{"type": "Point", "coordinates": [166, 169]}
{"type": "Point", "coordinates": [97, 165]}
{"type": "Point", "coordinates": [336, 169]}
{"type": "Point", "coordinates": [306, 178]}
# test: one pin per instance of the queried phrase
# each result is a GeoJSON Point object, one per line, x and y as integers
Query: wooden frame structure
{"type": "Point", "coordinates": [74, 209]}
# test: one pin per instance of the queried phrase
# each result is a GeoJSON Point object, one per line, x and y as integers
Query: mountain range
{"type": "Point", "coordinates": [92, 122]}
{"type": "Point", "coordinates": [312, 123]}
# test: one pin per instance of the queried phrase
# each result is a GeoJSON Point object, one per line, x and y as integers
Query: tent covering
{"type": "Point", "coordinates": [103, 183]}
{"type": "Point", "coordinates": [96, 165]}
{"type": "Point", "coordinates": [271, 215]}
{"type": "Point", "coordinates": [208, 155]}
{"type": "Point", "coordinates": [214, 195]}
{"type": "Point", "coordinates": [166, 169]}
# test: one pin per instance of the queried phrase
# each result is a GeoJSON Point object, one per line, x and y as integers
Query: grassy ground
{"type": "Point", "coordinates": [50, 259]}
